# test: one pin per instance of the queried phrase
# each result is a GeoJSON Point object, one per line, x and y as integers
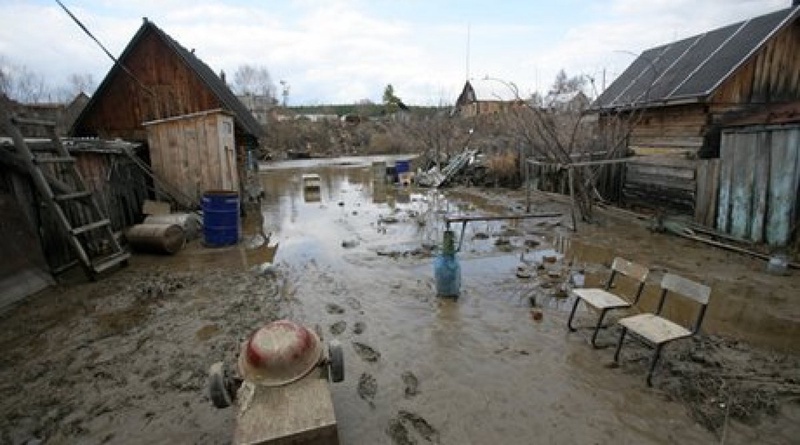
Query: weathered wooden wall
{"type": "Point", "coordinates": [195, 153]}
{"type": "Point", "coordinates": [705, 207]}
{"type": "Point", "coordinates": [666, 183]}
{"type": "Point", "coordinates": [772, 76]}
{"type": "Point", "coordinates": [173, 89]}
{"type": "Point", "coordinates": [23, 269]}
{"type": "Point", "coordinates": [676, 130]}
{"type": "Point", "coordinates": [760, 183]}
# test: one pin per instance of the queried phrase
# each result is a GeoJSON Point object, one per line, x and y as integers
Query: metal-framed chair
{"type": "Point", "coordinates": [654, 329]}
{"type": "Point", "coordinates": [603, 300]}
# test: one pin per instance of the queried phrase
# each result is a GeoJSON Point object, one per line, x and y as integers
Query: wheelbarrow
{"type": "Point", "coordinates": [280, 386]}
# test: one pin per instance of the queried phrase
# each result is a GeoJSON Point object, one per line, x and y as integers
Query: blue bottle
{"type": "Point", "coordinates": [446, 270]}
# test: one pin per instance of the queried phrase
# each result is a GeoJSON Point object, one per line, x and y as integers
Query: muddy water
{"type": "Point", "coordinates": [425, 370]}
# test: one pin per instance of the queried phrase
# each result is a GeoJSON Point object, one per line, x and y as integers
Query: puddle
{"type": "Point", "coordinates": [359, 258]}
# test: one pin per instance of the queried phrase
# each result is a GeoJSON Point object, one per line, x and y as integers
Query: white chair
{"type": "Point", "coordinates": [656, 330]}
{"type": "Point", "coordinates": [603, 300]}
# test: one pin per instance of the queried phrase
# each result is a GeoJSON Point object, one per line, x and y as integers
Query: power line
{"type": "Point", "coordinates": [111, 56]}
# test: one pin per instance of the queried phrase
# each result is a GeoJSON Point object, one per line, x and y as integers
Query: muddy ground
{"type": "Point", "coordinates": [124, 359]}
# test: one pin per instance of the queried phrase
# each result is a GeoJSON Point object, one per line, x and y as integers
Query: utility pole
{"type": "Point", "coordinates": [284, 91]}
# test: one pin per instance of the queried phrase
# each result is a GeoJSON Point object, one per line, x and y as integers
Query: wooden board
{"type": "Point", "coordinates": [298, 413]}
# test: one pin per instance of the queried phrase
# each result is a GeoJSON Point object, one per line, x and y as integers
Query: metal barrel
{"type": "Point", "coordinates": [156, 238]}
{"type": "Point", "coordinates": [220, 218]}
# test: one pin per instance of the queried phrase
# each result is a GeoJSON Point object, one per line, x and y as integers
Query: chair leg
{"type": "Point", "coordinates": [572, 315]}
{"type": "Point", "coordinates": [619, 344]}
{"type": "Point", "coordinates": [598, 326]}
{"type": "Point", "coordinates": [653, 362]}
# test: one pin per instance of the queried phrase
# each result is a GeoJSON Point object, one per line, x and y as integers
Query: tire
{"type": "Point", "coordinates": [335, 361]}
{"type": "Point", "coordinates": [219, 386]}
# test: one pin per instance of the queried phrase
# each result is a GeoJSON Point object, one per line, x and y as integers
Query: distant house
{"type": "Point", "coordinates": [63, 115]}
{"type": "Point", "coordinates": [680, 96]}
{"type": "Point", "coordinates": [573, 101]}
{"type": "Point", "coordinates": [259, 105]}
{"type": "Point", "coordinates": [484, 97]}
{"type": "Point", "coordinates": [157, 78]}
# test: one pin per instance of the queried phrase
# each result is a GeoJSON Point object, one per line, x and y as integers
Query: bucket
{"type": "Point", "coordinates": [402, 167]}
{"type": "Point", "coordinates": [220, 218]}
{"type": "Point", "coordinates": [156, 238]}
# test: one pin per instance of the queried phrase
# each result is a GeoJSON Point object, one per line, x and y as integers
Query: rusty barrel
{"type": "Point", "coordinates": [220, 218]}
{"type": "Point", "coordinates": [156, 238]}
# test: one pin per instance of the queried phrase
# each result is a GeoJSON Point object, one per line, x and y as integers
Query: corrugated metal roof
{"type": "Point", "coordinates": [691, 69]}
{"type": "Point", "coordinates": [243, 117]}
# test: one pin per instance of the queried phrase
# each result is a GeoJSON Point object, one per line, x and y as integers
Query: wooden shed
{"type": "Point", "coordinates": [157, 78]}
{"type": "Point", "coordinates": [679, 96]}
{"type": "Point", "coordinates": [194, 153]}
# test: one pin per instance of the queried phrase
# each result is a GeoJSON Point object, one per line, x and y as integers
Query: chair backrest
{"type": "Point", "coordinates": [630, 269]}
{"type": "Point", "coordinates": [686, 288]}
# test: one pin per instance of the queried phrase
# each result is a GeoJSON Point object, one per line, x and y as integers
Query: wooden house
{"type": "Point", "coordinates": [482, 98]}
{"type": "Point", "coordinates": [157, 78]}
{"type": "Point", "coordinates": [678, 97]}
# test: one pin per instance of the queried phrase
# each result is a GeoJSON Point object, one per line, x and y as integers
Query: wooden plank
{"type": "Point", "coordinates": [726, 170]}
{"type": "Point", "coordinates": [661, 181]}
{"type": "Point", "coordinates": [761, 153]}
{"type": "Point", "coordinates": [600, 299]}
{"type": "Point", "coordinates": [685, 173]}
{"type": "Point", "coordinates": [630, 269]}
{"type": "Point", "coordinates": [301, 412]}
{"type": "Point", "coordinates": [741, 186]}
{"type": "Point", "coordinates": [707, 188]}
{"type": "Point", "coordinates": [655, 329]}
{"type": "Point", "coordinates": [784, 177]}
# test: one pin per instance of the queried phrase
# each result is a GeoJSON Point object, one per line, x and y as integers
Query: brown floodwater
{"type": "Point", "coordinates": [420, 369]}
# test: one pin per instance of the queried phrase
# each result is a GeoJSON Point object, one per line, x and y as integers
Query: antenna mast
{"type": "Point", "coordinates": [468, 32]}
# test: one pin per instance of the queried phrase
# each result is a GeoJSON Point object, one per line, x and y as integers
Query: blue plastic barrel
{"type": "Point", "coordinates": [220, 218]}
{"type": "Point", "coordinates": [402, 167]}
{"type": "Point", "coordinates": [446, 270]}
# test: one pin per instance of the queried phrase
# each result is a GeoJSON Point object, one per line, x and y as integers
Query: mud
{"type": "Point", "coordinates": [366, 352]}
{"type": "Point", "coordinates": [411, 383]}
{"type": "Point", "coordinates": [125, 359]}
{"type": "Point", "coordinates": [367, 388]}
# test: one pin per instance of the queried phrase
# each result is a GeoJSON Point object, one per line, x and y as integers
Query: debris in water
{"type": "Point", "coordinates": [536, 314]}
{"type": "Point", "coordinates": [349, 244]}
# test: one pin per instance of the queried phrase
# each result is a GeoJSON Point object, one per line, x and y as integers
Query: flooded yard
{"type": "Point", "coordinates": [123, 360]}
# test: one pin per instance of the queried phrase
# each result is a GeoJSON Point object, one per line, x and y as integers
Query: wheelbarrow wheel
{"type": "Point", "coordinates": [335, 361]}
{"type": "Point", "coordinates": [219, 386]}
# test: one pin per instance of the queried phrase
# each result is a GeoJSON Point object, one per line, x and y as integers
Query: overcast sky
{"type": "Point", "coordinates": [343, 51]}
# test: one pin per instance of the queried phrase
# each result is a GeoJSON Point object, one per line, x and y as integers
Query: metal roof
{"type": "Point", "coordinates": [244, 119]}
{"type": "Point", "coordinates": [689, 70]}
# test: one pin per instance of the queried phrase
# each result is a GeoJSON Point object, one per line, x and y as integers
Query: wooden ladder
{"type": "Point", "coordinates": [83, 222]}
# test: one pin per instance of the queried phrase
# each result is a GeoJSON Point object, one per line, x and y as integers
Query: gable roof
{"type": "Point", "coordinates": [689, 70]}
{"type": "Point", "coordinates": [244, 119]}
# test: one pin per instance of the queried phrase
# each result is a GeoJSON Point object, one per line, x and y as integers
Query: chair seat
{"type": "Point", "coordinates": [654, 328]}
{"type": "Point", "coordinates": [600, 298]}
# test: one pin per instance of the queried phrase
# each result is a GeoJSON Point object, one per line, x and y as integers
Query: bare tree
{"type": "Point", "coordinates": [254, 81]}
{"type": "Point", "coordinates": [18, 82]}
{"type": "Point", "coordinates": [566, 84]}
{"type": "Point", "coordinates": [76, 84]}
